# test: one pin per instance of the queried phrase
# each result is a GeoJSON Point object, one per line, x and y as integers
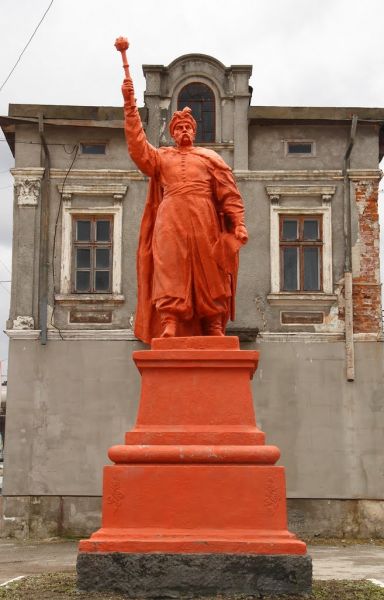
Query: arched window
{"type": "Point", "coordinates": [200, 98]}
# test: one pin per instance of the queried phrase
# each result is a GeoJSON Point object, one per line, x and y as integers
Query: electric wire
{"type": "Point", "coordinates": [39, 144]}
{"type": "Point", "coordinates": [6, 289]}
{"type": "Point", "coordinates": [5, 266]}
{"type": "Point", "coordinates": [26, 46]}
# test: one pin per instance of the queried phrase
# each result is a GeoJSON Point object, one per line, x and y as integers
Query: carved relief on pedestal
{"type": "Point", "coordinates": [272, 496]}
{"type": "Point", "coordinates": [22, 322]}
{"type": "Point", "coordinates": [27, 191]}
{"type": "Point", "coordinates": [116, 496]}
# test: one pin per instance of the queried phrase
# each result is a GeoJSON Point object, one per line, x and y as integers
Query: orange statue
{"type": "Point", "coordinates": [191, 231]}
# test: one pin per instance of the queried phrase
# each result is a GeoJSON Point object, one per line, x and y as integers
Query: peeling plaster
{"type": "Point", "coordinates": [333, 323]}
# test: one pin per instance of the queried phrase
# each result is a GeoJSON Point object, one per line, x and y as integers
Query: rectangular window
{"type": "Point", "coordinates": [299, 148]}
{"type": "Point", "coordinates": [92, 148]}
{"type": "Point", "coordinates": [301, 245]}
{"type": "Point", "coordinates": [92, 254]}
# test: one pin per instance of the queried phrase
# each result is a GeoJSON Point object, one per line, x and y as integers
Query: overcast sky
{"type": "Point", "coordinates": [303, 52]}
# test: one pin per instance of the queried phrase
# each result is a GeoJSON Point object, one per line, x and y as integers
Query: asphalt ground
{"type": "Point", "coordinates": [362, 561]}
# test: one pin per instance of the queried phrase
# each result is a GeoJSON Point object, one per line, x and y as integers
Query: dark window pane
{"type": "Point", "coordinates": [102, 231]}
{"type": "Point", "coordinates": [207, 136]}
{"type": "Point", "coordinates": [82, 281]}
{"type": "Point", "coordinates": [92, 148]}
{"type": "Point", "coordinates": [311, 230]}
{"type": "Point", "coordinates": [83, 258]}
{"type": "Point", "coordinates": [102, 258]}
{"type": "Point", "coordinates": [289, 230]}
{"type": "Point", "coordinates": [197, 110]}
{"type": "Point", "coordinates": [101, 281]}
{"type": "Point", "coordinates": [311, 269]}
{"type": "Point", "coordinates": [299, 148]}
{"type": "Point", "coordinates": [196, 91]}
{"type": "Point", "coordinates": [83, 232]}
{"type": "Point", "coordinates": [290, 269]}
{"type": "Point", "coordinates": [201, 100]}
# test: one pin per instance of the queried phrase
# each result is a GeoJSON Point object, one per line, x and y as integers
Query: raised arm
{"type": "Point", "coordinates": [143, 154]}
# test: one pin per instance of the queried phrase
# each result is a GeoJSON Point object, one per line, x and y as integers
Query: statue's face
{"type": "Point", "coordinates": [183, 134]}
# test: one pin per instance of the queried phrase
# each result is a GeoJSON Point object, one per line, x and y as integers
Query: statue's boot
{"type": "Point", "coordinates": [168, 323]}
{"type": "Point", "coordinates": [214, 325]}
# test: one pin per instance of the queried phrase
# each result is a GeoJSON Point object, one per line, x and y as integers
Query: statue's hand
{"type": "Point", "coordinates": [128, 91]}
{"type": "Point", "coordinates": [241, 234]}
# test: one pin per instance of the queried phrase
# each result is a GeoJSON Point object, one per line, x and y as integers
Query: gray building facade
{"type": "Point", "coordinates": [309, 297]}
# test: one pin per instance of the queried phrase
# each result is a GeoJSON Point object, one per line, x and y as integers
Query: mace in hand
{"type": "Point", "coordinates": [122, 45]}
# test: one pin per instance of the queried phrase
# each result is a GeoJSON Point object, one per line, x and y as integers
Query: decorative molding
{"type": "Point", "coordinates": [75, 334]}
{"type": "Point", "coordinates": [288, 299]}
{"type": "Point", "coordinates": [114, 175]}
{"type": "Point", "coordinates": [23, 323]}
{"type": "Point", "coordinates": [309, 337]}
{"type": "Point", "coordinates": [23, 334]}
{"type": "Point", "coordinates": [28, 192]}
{"type": "Point", "coordinates": [116, 190]}
{"type": "Point", "coordinates": [299, 336]}
{"type": "Point", "coordinates": [276, 191]}
{"type": "Point", "coordinates": [306, 175]}
{"type": "Point", "coordinates": [28, 185]}
{"type": "Point", "coordinates": [368, 337]}
{"type": "Point", "coordinates": [128, 335]}
{"type": "Point", "coordinates": [89, 299]}
{"type": "Point", "coordinates": [358, 174]}
{"type": "Point", "coordinates": [28, 172]}
{"type": "Point", "coordinates": [219, 146]}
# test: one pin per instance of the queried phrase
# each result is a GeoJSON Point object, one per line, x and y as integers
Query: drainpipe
{"type": "Point", "coordinates": [349, 346]}
{"type": "Point", "coordinates": [45, 161]}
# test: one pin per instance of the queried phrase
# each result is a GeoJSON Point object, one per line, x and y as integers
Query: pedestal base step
{"type": "Point", "coordinates": [194, 575]}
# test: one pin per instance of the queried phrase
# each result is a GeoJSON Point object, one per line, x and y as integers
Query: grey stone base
{"type": "Point", "coordinates": [191, 575]}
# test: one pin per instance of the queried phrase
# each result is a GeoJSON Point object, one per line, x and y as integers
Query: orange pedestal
{"type": "Point", "coordinates": [194, 475]}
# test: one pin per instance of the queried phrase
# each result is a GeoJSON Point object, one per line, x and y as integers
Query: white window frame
{"type": "Point", "coordinates": [324, 210]}
{"type": "Point", "coordinates": [68, 211]}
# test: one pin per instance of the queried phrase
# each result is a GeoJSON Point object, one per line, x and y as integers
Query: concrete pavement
{"type": "Point", "coordinates": [32, 558]}
{"type": "Point", "coordinates": [329, 562]}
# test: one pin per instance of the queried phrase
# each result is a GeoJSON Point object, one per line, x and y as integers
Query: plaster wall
{"type": "Point", "coordinates": [254, 282]}
{"type": "Point", "coordinates": [67, 403]}
{"type": "Point", "coordinates": [70, 400]}
{"type": "Point", "coordinates": [267, 146]}
{"type": "Point", "coordinates": [329, 430]}
{"type": "Point", "coordinates": [62, 142]}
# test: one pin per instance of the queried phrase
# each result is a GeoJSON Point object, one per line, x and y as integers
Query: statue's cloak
{"type": "Point", "coordinates": [225, 250]}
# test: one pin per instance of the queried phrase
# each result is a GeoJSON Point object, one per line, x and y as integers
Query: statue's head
{"type": "Point", "coordinates": [183, 127]}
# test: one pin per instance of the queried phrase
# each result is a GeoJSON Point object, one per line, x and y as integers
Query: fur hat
{"type": "Point", "coordinates": [182, 115]}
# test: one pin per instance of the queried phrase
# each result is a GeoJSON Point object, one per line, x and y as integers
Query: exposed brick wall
{"type": "Point", "coordinates": [366, 280]}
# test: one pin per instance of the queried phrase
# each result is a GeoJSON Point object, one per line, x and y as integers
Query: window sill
{"type": "Point", "coordinates": [89, 298]}
{"type": "Point", "coordinates": [289, 299]}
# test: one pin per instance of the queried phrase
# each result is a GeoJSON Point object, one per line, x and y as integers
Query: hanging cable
{"type": "Point", "coordinates": [5, 266]}
{"type": "Point", "coordinates": [26, 46]}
